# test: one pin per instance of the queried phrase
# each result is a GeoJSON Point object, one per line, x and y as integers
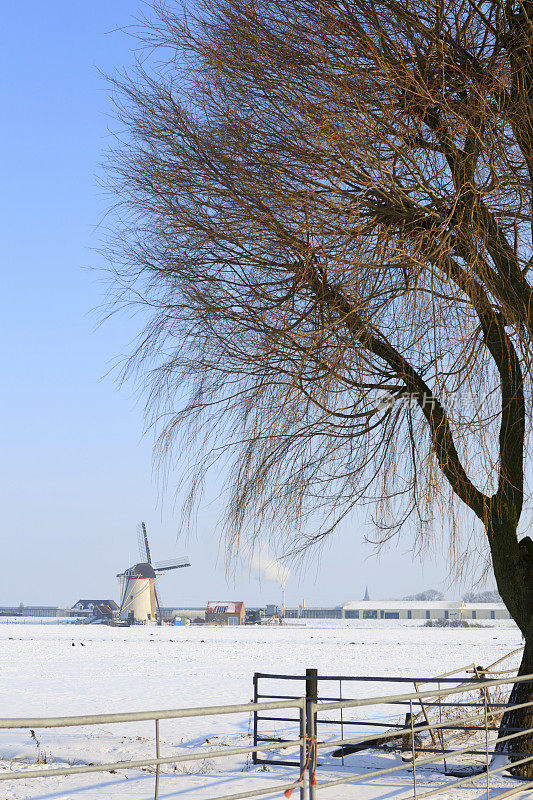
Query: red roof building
{"type": "Point", "coordinates": [225, 612]}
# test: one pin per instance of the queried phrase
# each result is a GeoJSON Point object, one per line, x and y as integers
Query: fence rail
{"type": "Point", "coordinates": [410, 731]}
{"type": "Point", "coordinates": [156, 716]}
{"type": "Point", "coordinates": [309, 710]}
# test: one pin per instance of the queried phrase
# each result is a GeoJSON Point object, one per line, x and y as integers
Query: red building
{"type": "Point", "coordinates": [224, 612]}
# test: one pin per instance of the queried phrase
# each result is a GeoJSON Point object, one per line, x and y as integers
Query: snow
{"type": "Point", "coordinates": [57, 670]}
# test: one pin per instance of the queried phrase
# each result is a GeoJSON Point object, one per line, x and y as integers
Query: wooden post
{"type": "Point", "coordinates": [311, 687]}
{"type": "Point", "coordinates": [406, 737]}
{"type": "Point", "coordinates": [311, 684]}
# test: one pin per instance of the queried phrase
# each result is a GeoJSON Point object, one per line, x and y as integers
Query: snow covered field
{"type": "Point", "coordinates": [62, 670]}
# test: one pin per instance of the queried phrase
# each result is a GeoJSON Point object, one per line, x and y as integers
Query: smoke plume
{"type": "Point", "coordinates": [267, 567]}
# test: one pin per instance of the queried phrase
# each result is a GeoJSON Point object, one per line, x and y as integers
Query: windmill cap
{"type": "Point", "coordinates": [143, 571]}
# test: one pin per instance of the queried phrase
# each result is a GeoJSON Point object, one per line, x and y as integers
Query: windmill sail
{"type": "Point", "coordinates": [144, 547]}
{"type": "Point", "coordinates": [157, 602]}
{"type": "Point", "coordinates": [173, 563]}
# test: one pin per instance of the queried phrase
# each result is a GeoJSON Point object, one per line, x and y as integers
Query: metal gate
{"type": "Point", "coordinates": [339, 688]}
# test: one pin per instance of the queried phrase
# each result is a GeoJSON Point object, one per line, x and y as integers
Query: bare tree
{"type": "Point", "coordinates": [327, 210]}
{"type": "Point", "coordinates": [428, 594]}
{"type": "Point", "coordinates": [482, 597]}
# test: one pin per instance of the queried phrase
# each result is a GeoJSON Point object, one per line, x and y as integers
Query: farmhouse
{"type": "Point", "coordinates": [223, 612]}
{"type": "Point", "coordinates": [89, 607]}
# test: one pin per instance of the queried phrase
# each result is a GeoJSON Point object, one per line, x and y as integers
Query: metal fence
{"type": "Point", "coordinates": [157, 761]}
{"type": "Point", "coordinates": [407, 736]}
{"type": "Point", "coordinates": [275, 686]}
{"type": "Point", "coordinates": [307, 778]}
{"type": "Point", "coordinates": [312, 681]}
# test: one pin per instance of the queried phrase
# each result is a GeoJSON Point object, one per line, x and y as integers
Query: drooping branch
{"type": "Point", "coordinates": [378, 137]}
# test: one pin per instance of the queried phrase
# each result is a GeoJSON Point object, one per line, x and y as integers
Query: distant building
{"type": "Point", "coordinates": [33, 611]}
{"type": "Point", "coordinates": [404, 609]}
{"type": "Point", "coordinates": [222, 612]}
{"type": "Point", "coordinates": [87, 607]}
{"type": "Point", "coordinates": [192, 613]}
{"type": "Point", "coordinates": [423, 609]}
{"type": "Point", "coordinates": [103, 611]}
{"type": "Point", "coordinates": [306, 612]}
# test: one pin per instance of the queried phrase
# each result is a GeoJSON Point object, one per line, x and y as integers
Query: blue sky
{"type": "Point", "coordinates": [76, 469]}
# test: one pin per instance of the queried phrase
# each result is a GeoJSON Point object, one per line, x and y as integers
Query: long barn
{"type": "Point", "coordinates": [404, 609]}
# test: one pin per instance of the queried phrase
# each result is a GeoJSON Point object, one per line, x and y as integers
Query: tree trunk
{"type": "Point", "coordinates": [513, 568]}
{"type": "Point", "coordinates": [522, 718]}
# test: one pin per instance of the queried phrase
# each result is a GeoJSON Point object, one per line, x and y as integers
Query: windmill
{"type": "Point", "coordinates": [139, 600]}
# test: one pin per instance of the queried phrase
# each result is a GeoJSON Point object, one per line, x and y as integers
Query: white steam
{"type": "Point", "coordinates": [267, 567]}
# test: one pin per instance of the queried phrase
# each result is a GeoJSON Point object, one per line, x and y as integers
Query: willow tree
{"type": "Point", "coordinates": [327, 212]}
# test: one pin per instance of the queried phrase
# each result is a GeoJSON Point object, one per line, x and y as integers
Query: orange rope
{"type": "Point", "coordinates": [312, 749]}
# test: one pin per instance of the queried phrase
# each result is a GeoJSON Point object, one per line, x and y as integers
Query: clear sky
{"type": "Point", "coordinates": [76, 467]}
